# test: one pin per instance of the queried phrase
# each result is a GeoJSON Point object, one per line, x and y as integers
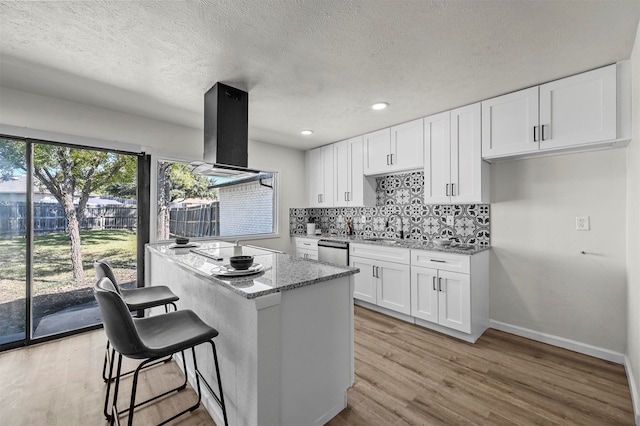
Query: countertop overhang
{"type": "Point", "coordinates": [280, 272]}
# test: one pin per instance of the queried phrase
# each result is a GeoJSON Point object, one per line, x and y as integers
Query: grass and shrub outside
{"type": "Point", "coordinates": [54, 288]}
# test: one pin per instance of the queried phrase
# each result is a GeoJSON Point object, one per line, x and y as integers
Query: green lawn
{"type": "Point", "coordinates": [52, 262]}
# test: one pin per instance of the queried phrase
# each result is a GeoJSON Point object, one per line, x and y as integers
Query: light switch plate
{"type": "Point", "coordinates": [582, 223]}
{"type": "Point", "coordinates": [450, 221]}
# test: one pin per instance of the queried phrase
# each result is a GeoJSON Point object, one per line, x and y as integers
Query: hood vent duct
{"type": "Point", "coordinates": [226, 133]}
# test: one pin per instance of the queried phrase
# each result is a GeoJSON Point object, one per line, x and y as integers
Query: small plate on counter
{"type": "Point", "coordinates": [229, 271]}
{"type": "Point", "coordinates": [188, 245]}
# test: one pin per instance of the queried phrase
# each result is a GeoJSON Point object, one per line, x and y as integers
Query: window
{"type": "Point", "coordinates": [192, 205]}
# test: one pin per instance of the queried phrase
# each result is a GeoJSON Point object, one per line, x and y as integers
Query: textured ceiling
{"type": "Point", "coordinates": [316, 64]}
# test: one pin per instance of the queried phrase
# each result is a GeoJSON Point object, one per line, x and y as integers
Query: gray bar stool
{"type": "Point", "coordinates": [136, 299]}
{"type": "Point", "coordinates": [150, 339]}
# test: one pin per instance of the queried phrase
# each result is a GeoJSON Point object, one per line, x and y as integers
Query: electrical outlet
{"type": "Point", "coordinates": [363, 219]}
{"type": "Point", "coordinates": [450, 221]}
{"type": "Point", "coordinates": [582, 223]}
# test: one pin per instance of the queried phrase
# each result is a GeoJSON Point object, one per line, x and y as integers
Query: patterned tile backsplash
{"type": "Point", "coordinates": [400, 195]}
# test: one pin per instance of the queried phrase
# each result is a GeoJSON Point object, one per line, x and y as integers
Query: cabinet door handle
{"type": "Point", "coordinates": [447, 189]}
{"type": "Point", "coordinates": [438, 260]}
{"type": "Point", "coordinates": [373, 271]}
{"type": "Point", "coordinates": [387, 159]}
{"type": "Point", "coordinates": [434, 283]}
{"type": "Point", "coordinates": [345, 196]}
{"type": "Point", "coordinates": [535, 133]}
{"type": "Point", "coordinates": [348, 196]}
{"type": "Point", "coordinates": [318, 197]}
{"type": "Point", "coordinates": [439, 284]}
{"type": "Point", "coordinates": [453, 189]}
{"type": "Point", "coordinates": [377, 271]}
{"type": "Point", "coordinates": [544, 126]}
{"type": "Point", "coordinates": [391, 158]}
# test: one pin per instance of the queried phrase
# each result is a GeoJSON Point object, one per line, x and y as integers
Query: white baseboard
{"type": "Point", "coordinates": [633, 388]}
{"type": "Point", "coordinates": [561, 342]}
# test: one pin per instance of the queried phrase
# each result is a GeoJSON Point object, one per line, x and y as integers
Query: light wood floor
{"type": "Point", "coordinates": [404, 375]}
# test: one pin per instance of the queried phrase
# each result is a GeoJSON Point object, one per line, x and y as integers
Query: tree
{"type": "Point", "coordinates": [175, 182]}
{"type": "Point", "coordinates": [68, 173]}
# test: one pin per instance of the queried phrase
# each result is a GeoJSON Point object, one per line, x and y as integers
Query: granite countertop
{"type": "Point", "coordinates": [280, 272]}
{"type": "Point", "coordinates": [409, 244]}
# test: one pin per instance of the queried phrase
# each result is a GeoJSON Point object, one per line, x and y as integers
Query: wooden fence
{"type": "Point", "coordinates": [50, 217]}
{"type": "Point", "coordinates": [195, 221]}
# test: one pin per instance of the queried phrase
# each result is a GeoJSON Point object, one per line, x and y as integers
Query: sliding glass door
{"type": "Point", "coordinates": [13, 247]}
{"type": "Point", "coordinates": [83, 205]}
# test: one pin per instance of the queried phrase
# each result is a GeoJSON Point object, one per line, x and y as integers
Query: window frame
{"type": "Point", "coordinates": [153, 216]}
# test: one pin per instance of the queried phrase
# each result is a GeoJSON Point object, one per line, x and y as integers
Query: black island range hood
{"type": "Point", "coordinates": [226, 134]}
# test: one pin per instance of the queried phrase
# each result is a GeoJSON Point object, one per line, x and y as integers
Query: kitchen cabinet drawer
{"type": "Point", "coordinates": [306, 243]}
{"type": "Point", "coordinates": [442, 261]}
{"type": "Point", "coordinates": [385, 254]}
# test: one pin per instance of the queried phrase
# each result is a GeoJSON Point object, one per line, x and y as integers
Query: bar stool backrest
{"type": "Point", "coordinates": [103, 269]}
{"type": "Point", "coordinates": [117, 321]}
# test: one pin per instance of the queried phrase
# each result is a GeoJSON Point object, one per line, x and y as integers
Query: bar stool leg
{"type": "Point", "coordinates": [114, 410]}
{"type": "Point", "coordinates": [104, 365]}
{"type": "Point", "coordinates": [221, 401]}
{"type": "Point", "coordinates": [109, 380]}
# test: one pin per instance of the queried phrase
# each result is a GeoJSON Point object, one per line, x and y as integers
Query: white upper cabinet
{"type": "Point", "coordinates": [569, 113]}
{"type": "Point", "coordinates": [407, 145]}
{"type": "Point", "coordinates": [453, 168]}
{"type": "Point", "coordinates": [579, 109]}
{"type": "Point", "coordinates": [437, 158]}
{"type": "Point", "coordinates": [509, 123]}
{"type": "Point", "coordinates": [376, 152]}
{"type": "Point", "coordinates": [352, 188]}
{"type": "Point", "coordinates": [395, 149]}
{"type": "Point", "coordinates": [320, 176]}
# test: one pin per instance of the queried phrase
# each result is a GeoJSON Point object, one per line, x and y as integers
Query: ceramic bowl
{"type": "Point", "coordinates": [182, 241]}
{"type": "Point", "coordinates": [241, 262]}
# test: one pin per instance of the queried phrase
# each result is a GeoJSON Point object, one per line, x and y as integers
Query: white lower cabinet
{"type": "Point", "coordinates": [441, 297]}
{"type": "Point", "coordinates": [450, 292]}
{"type": "Point", "coordinates": [446, 292]}
{"type": "Point", "coordinates": [306, 248]}
{"type": "Point", "coordinates": [382, 282]}
{"type": "Point", "coordinates": [366, 281]}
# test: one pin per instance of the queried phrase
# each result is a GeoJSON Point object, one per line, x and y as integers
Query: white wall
{"type": "Point", "coordinates": [289, 163]}
{"type": "Point", "coordinates": [34, 112]}
{"type": "Point", "coordinates": [29, 115]}
{"type": "Point", "coordinates": [539, 279]}
{"type": "Point", "coordinates": [633, 230]}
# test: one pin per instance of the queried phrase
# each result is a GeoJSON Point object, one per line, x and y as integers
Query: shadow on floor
{"type": "Point", "coordinates": [52, 313]}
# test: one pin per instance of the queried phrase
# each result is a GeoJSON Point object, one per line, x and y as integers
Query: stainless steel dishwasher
{"type": "Point", "coordinates": [336, 252]}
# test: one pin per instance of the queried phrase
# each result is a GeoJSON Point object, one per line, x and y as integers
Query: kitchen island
{"type": "Point", "coordinates": [286, 332]}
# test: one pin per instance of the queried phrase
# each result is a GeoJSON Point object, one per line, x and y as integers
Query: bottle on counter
{"type": "Point", "coordinates": [349, 228]}
{"type": "Point", "coordinates": [237, 249]}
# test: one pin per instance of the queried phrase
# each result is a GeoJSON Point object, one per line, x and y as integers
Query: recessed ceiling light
{"type": "Point", "coordinates": [379, 106]}
{"type": "Point", "coordinates": [306, 132]}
